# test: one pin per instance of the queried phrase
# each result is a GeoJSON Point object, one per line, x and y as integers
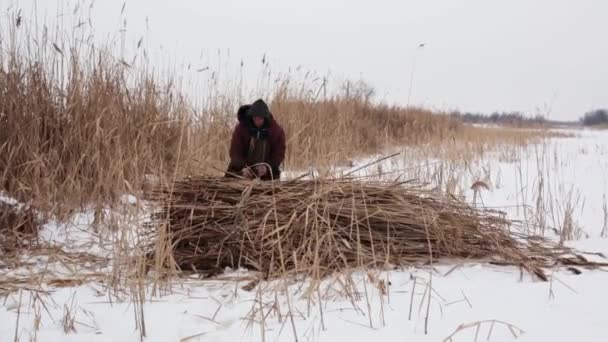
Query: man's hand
{"type": "Point", "coordinates": [247, 173]}
{"type": "Point", "coordinates": [261, 170]}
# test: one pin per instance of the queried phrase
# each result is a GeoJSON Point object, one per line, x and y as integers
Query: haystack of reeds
{"type": "Point", "coordinates": [316, 227]}
{"type": "Point", "coordinates": [19, 226]}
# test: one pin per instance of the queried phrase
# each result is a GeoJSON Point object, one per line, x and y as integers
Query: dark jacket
{"type": "Point", "coordinates": [244, 138]}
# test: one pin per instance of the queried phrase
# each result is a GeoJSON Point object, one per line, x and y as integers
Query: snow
{"type": "Point", "coordinates": [575, 311]}
{"type": "Point", "coordinates": [569, 307]}
{"type": "Point", "coordinates": [8, 200]}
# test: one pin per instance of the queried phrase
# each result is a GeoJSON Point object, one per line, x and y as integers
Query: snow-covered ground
{"type": "Point", "coordinates": [540, 183]}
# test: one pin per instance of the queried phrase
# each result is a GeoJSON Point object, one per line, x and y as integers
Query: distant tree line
{"type": "Point", "coordinates": [503, 118]}
{"type": "Point", "coordinates": [595, 117]}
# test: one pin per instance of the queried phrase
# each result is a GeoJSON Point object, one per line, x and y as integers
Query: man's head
{"type": "Point", "coordinates": [259, 113]}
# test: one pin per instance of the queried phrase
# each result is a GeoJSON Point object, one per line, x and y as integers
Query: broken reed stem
{"type": "Point", "coordinates": [262, 316]}
{"type": "Point", "coordinates": [18, 317]}
{"type": "Point", "coordinates": [320, 306]}
{"type": "Point", "coordinates": [428, 305]}
{"type": "Point", "coordinates": [368, 303]}
{"type": "Point", "coordinates": [514, 330]}
{"type": "Point", "coordinates": [412, 299]}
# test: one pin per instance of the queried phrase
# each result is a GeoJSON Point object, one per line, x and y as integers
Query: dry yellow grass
{"type": "Point", "coordinates": [78, 125]}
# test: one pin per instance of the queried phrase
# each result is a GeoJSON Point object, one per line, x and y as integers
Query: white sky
{"type": "Point", "coordinates": [535, 56]}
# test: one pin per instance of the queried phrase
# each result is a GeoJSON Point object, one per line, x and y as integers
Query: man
{"type": "Point", "coordinates": [257, 148]}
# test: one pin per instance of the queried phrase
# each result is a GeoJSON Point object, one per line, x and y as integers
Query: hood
{"type": "Point", "coordinates": [245, 119]}
{"type": "Point", "coordinates": [259, 108]}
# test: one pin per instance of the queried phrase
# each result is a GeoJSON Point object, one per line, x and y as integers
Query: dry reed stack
{"type": "Point", "coordinates": [316, 227]}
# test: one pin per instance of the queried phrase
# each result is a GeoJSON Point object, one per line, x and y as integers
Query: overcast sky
{"type": "Point", "coordinates": [535, 56]}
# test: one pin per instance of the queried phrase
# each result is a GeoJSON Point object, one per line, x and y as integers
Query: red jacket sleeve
{"type": "Point", "coordinates": [277, 150]}
{"type": "Point", "coordinates": [238, 146]}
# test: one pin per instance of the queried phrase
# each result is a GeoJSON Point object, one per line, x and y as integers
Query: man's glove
{"type": "Point", "coordinates": [247, 173]}
{"type": "Point", "coordinates": [261, 170]}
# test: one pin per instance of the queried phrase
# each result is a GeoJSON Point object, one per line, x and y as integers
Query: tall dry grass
{"type": "Point", "coordinates": [79, 124]}
{"type": "Point", "coordinates": [346, 126]}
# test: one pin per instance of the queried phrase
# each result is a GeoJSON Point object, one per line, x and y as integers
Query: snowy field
{"type": "Point", "coordinates": [558, 186]}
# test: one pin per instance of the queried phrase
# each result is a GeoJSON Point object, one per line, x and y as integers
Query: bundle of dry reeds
{"type": "Point", "coordinates": [316, 227]}
{"type": "Point", "coordinates": [19, 226]}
